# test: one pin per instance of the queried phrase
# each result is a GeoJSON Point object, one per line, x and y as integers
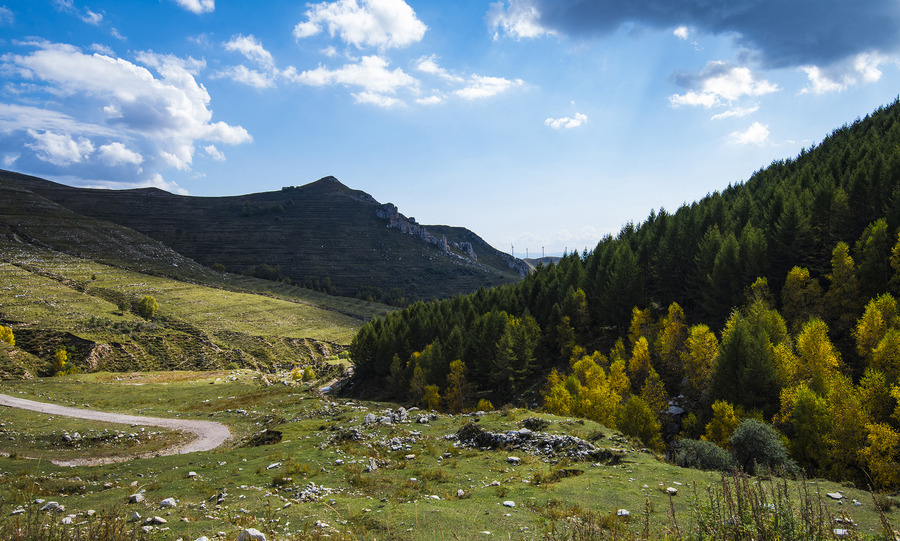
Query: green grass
{"type": "Point", "coordinates": [384, 504]}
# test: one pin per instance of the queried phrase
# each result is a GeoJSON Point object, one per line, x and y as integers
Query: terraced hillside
{"type": "Point", "coordinates": [323, 229]}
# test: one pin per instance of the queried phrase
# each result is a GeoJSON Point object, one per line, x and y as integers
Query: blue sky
{"type": "Point", "coordinates": [536, 123]}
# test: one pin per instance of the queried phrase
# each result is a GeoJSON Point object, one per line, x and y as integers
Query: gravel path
{"type": "Point", "coordinates": [209, 434]}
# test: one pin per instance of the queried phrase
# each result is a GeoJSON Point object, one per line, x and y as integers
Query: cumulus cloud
{"type": "Point", "coordinates": [859, 70]}
{"type": "Point", "coordinates": [757, 134]}
{"type": "Point", "coordinates": [117, 154]}
{"type": "Point", "coordinates": [485, 87]}
{"type": "Point", "coordinates": [520, 19]}
{"type": "Point", "coordinates": [371, 73]}
{"type": "Point", "coordinates": [59, 149]}
{"type": "Point", "coordinates": [243, 74]}
{"type": "Point", "coordinates": [737, 112]}
{"type": "Point", "coordinates": [784, 34]}
{"type": "Point", "coordinates": [719, 82]}
{"type": "Point", "coordinates": [374, 98]}
{"type": "Point", "coordinates": [368, 23]}
{"type": "Point", "coordinates": [163, 111]}
{"type": "Point", "coordinates": [198, 6]}
{"type": "Point", "coordinates": [214, 153]}
{"type": "Point", "coordinates": [102, 49]}
{"type": "Point", "coordinates": [682, 32]}
{"type": "Point", "coordinates": [251, 48]}
{"type": "Point", "coordinates": [566, 122]}
{"type": "Point", "coordinates": [10, 159]}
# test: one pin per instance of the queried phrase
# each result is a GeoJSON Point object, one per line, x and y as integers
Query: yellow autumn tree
{"type": "Point", "coordinates": [886, 357]}
{"type": "Point", "coordinates": [432, 397]}
{"type": "Point", "coordinates": [842, 301]}
{"type": "Point", "coordinates": [875, 322]}
{"type": "Point", "coordinates": [6, 334]}
{"type": "Point", "coordinates": [642, 325]}
{"type": "Point", "coordinates": [801, 298]}
{"type": "Point", "coordinates": [458, 387]}
{"type": "Point", "coordinates": [557, 399]}
{"type": "Point", "coordinates": [618, 379]}
{"type": "Point", "coordinates": [787, 364]}
{"type": "Point", "coordinates": [722, 425]}
{"type": "Point", "coordinates": [654, 392]}
{"type": "Point", "coordinates": [880, 455]}
{"type": "Point", "coordinates": [639, 364]}
{"type": "Point", "coordinates": [670, 343]}
{"type": "Point", "coordinates": [697, 358]}
{"type": "Point", "coordinates": [819, 360]}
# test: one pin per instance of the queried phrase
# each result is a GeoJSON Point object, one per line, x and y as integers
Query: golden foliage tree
{"type": "Point", "coordinates": [432, 397]}
{"type": "Point", "coordinates": [722, 425]}
{"type": "Point", "coordinates": [819, 360]}
{"type": "Point", "coordinates": [879, 316]}
{"type": "Point", "coordinates": [458, 387]}
{"type": "Point", "coordinates": [639, 364]}
{"type": "Point", "coordinates": [880, 455]}
{"type": "Point", "coordinates": [697, 358]}
{"type": "Point", "coordinates": [669, 345]}
{"type": "Point", "coordinates": [842, 301]}
{"type": "Point", "coordinates": [6, 334]}
{"type": "Point", "coordinates": [801, 298]}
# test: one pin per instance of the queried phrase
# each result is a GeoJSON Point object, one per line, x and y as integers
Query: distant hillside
{"type": "Point", "coordinates": [312, 232]}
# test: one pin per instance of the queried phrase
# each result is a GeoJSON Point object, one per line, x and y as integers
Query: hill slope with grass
{"type": "Point", "coordinates": [323, 230]}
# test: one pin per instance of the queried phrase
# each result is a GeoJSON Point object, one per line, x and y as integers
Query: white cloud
{"type": "Point", "coordinates": [682, 32]}
{"type": "Point", "coordinates": [566, 122]}
{"type": "Point", "coordinates": [24, 117]}
{"type": "Point", "coordinates": [374, 98]}
{"type": "Point", "coordinates": [427, 64]}
{"type": "Point", "coordinates": [371, 73]}
{"type": "Point", "coordinates": [59, 149]}
{"type": "Point", "coordinates": [861, 69]}
{"type": "Point", "coordinates": [102, 49]}
{"type": "Point", "coordinates": [6, 16]}
{"type": "Point", "coordinates": [214, 153]}
{"type": "Point", "coordinates": [157, 181]}
{"type": "Point", "coordinates": [485, 87]}
{"type": "Point", "coordinates": [198, 6]}
{"type": "Point", "coordinates": [368, 23]}
{"type": "Point", "coordinates": [115, 33]}
{"type": "Point", "coordinates": [520, 20]}
{"type": "Point", "coordinates": [117, 154]}
{"type": "Point", "coordinates": [247, 76]}
{"type": "Point", "coordinates": [720, 82]}
{"type": "Point", "coordinates": [737, 112]}
{"type": "Point", "coordinates": [10, 159]}
{"type": "Point", "coordinates": [251, 48]}
{"type": "Point", "coordinates": [431, 100]}
{"type": "Point", "coordinates": [92, 18]}
{"type": "Point", "coordinates": [169, 111]}
{"type": "Point", "coordinates": [330, 51]}
{"type": "Point", "coordinates": [757, 134]}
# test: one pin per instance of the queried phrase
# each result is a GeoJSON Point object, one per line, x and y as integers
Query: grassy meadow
{"type": "Point", "coordinates": [426, 485]}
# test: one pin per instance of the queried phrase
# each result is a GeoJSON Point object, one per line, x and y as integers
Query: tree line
{"type": "Point", "coordinates": [773, 299]}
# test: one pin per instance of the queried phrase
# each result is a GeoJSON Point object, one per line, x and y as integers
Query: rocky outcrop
{"type": "Point", "coordinates": [389, 212]}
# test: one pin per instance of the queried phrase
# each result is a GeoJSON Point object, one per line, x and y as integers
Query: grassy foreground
{"type": "Point", "coordinates": [310, 475]}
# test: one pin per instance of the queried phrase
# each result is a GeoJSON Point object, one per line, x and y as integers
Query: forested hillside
{"type": "Point", "coordinates": [771, 299]}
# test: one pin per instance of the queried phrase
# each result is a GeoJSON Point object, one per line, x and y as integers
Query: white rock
{"type": "Point", "coordinates": [434, 497]}
{"type": "Point", "coordinates": [509, 503]}
{"type": "Point", "coordinates": [514, 460]}
{"type": "Point", "coordinates": [192, 474]}
{"type": "Point", "coordinates": [66, 520]}
{"type": "Point", "coordinates": [672, 491]}
{"type": "Point", "coordinates": [91, 512]}
{"type": "Point", "coordinates": [251, 534]}
{"type": "Point", "coordinates": [834, 495]}
{"type": "Point", "coordinates": [460, 493]}
{"type": "Point", "coordinates": [135, 517]}
{"type": "Point", "coordinates": [168, 502]}
{"type": "Point", "coordinates": [136, 498]}
{"type": "Point", "coordinates": [158, 520]}
{"type": "Point", "coordinates": [271, 467]}
{"type": "Point", "coordinates": [50, 506]}
{"type": "Point", "coordinates": [623, 513]}
{"type": "Point", "coordinates": [18, 511]}
{"type": "Point", "coordinates": [202, 538]}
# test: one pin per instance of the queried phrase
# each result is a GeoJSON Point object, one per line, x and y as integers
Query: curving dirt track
{"type": "Point", "coordinates": [209, 434]}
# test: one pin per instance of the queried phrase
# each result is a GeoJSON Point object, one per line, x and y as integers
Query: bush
{"type": "Point", "coordinates": [484, 405]}
{"type": "Point", "coordinates": [702, 455]}
{"type": "Point", "coordinates": [756, 444]}
{"type": "Point", "coordinates": [147, 306]}
{"type": "Point", "coordinates": [6, 334]}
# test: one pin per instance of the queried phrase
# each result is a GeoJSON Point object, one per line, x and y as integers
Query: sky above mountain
{"type": "Point", "coordinates": [535, 123]}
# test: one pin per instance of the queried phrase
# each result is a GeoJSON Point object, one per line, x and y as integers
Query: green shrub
{"type": "Point", "coordinates": [147, 306]}
{"type": "Point", "coordinates": [702, 455]}
{"type": "Point", "coordinates": [636, 419]}
{"type": "Point", "coordinates": [755, 444]}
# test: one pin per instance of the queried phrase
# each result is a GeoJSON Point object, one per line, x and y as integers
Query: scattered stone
{"type": "Point", "coordinates": [202, 538]}
{"type": "Point", "coordinates": [136, 498]}
{"type": "Point", "coordinates": [192, 474]}
{"type": "Point", "coordinates": [409, 457]}
{"type": "Point", "coordinates": [370, 418]}
{"type": "Point", "coordinates": [251, 534]}
{"type": "Point", "coordinates": [434, 497]}
{"type": "Point", "coordinates": [50, 506]}
{"type": "Point", "coordinates": [18, 511]}
{"type": "Point", "coordinates": [135, 517]}
{"type": "Point", "coordinates": [273, 466]}
{"type": "Point", "coordinates": [338, 462]}
{"type": "Point", "coordinates": [672, 491]}
{"type": "Point", "coordinates": [373, 465]}
{"type": "Point", "coordinates": [509, 503]}
{"type": "Point", "coordinates": [514, 460]}
{"type": "Point", "coordinates": [494, 484]}
{"type": "Point", "coordinates": [460, 493]}
{"type": "Point", "coordinates": [841, 533]}
{"type": "Point", "coordinates": [157, 521]}
{"type": "Point", "coordinates": [533, 443]}
{"type": "Point", "coordinates": [834, 495]}
{"type": "Point", "coordinates": [66, 520]}
{"type": "Point", "coordinates": [623, 513]}
{"type": "Point", "coordinates": [168, 502]}
{"type": "Point", "coordinates": [91, 512]}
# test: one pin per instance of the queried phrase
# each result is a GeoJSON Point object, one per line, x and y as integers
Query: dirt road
{"type": "Point", "coordinates": [209, 434]}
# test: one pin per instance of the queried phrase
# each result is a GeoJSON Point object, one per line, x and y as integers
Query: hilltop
{"type": "Point", "coordinates": [324, 234]}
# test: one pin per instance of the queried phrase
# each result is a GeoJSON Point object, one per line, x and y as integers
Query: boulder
{"type": "Point", "coordinates": [509, 503]}
{"type": "Point", "coordinates": [168, 502]}
{"type": "Point", "coordinates": [251, 534]}
{"type": "Point", "coordinates": [136, 498]}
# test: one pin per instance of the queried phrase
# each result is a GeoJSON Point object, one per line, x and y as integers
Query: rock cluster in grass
{"type": "Point", "coordinates": [540, 444]}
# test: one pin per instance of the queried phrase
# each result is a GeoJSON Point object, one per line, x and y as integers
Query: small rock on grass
{"type": "Point", "coordinates": [509, 503]}
{"type": "Point", "coordinates": [623, 513]}
{"type": "Point", "coordinates": [136, 498]}
{"type": "Point", "coordinates": [835, 495]}
{"type": "Point", "coordinates": [168, 502]}
{"type": "Point", "coordinates": [251, 534]}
